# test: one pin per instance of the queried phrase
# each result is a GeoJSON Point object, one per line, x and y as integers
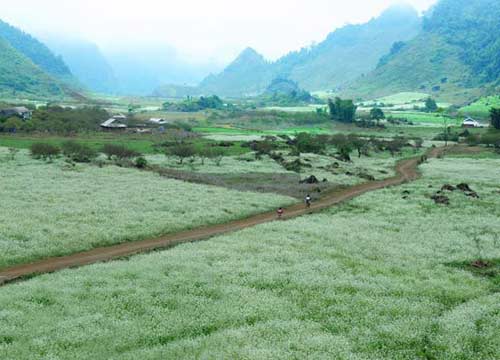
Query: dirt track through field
{"type": "Point", "coordinates": [406, 170]}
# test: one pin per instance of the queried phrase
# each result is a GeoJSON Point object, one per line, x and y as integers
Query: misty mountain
{"type": "Point", "coordinates": [350, 51]}
{"type": "Point", "coordinates": [455, 57]}
{"type": "Point", "coordinates": [36, 51]}
{"type": "Point", "coordinates": [86, 62]}
{"type": "Point", "coordinates": [248, 75]}
{"type": "Point", "coordinates": [140, 71]}
{"type": "Point", "coordinates": [343, 56]}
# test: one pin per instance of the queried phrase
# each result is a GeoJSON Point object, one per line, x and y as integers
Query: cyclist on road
{"type": "Point", "coordinates": [308, 201]}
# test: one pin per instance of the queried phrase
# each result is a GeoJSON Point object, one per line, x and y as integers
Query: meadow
{"type": "Point", "coordinates": [53, 209]}
{"type": "Point", "coordinates": [140, 143]}
{"type": "Point", "coordinates": [384, 276]}
{"type": "Point", "coordinates": [427, 119]}
{"type": "Point", "coordinates": [481, 108]}
{"type": "Point", "coordinates": [378, 165]}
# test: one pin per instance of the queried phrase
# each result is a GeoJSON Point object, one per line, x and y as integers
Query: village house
{"type": "Point", "coordinates": [158, 121]}
{"type": "Point", "coordinates": [470, 123]}
{"type": "Point", "coordinates": [116, 123]}
{"type": "Point", "coordinates": [20, 111]}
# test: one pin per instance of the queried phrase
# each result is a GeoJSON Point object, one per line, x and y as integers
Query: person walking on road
{"type": "Point", "coordinates": [280, 213]}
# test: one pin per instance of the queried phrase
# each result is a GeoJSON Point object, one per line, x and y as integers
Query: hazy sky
{"type": "Point", "coordinates": [201, 31]}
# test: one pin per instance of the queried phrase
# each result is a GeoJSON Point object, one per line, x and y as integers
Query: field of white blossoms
{"type": "Point", "coordinates": [53, 209]}
{"type": "Point", "coordinates": [385, 276]}
{"type": "Point", "coordinates": [379, 165]}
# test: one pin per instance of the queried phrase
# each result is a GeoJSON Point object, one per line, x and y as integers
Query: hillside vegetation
{"type": "Point", "coordinates": [455, 57]}
{"type": "Point", "coordinates": [248, 75]}
{"type": "Point", "coordinates": [36, 51]}
{"type": "Point", "coordinates": [344, 55]}
{"type": "Point", "coordinates": [19, 76]}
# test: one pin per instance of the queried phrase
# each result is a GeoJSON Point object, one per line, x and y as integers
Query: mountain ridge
{"type": "Point", "coordinates": [454, 57]}
{"type": "Point", "coordinates": [344, 55]}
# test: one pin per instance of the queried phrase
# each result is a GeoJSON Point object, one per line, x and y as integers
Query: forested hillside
{"type": "Point", "coordinates": [19, 76]}
{"type": "Point", "coordinates": [35, 50]}
{"type": "Point", "coordinates": [455, 57]}
{"type": "Point", "coordinates": [350, 51]}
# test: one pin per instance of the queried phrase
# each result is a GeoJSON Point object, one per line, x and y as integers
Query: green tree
{"type": "Point", "coordinates": [183, 151]}
{"type": "Point", "coordinates": [44, 151]}
{"type": "Point", "coordinates": [119, 152]}
{"type": "Point", "coordinates": [430, 105]}
{"type": "Point", "coordinates": [377, 114]}
{"type": "Point", "coordinates": [344, 146]}
{"type": "Point", "coordinates": [495, 118]}
{"type": "Point", "coordinates": [13, 124]}
{"type": "Point", "coordinates": [78, 152]}
{"type": "Point", "coordinates": [306, 143]}
{"type": "Point", "coordinates": [360, 144]}
{"type": "Point", "coordinates": [215, 154]}
{"type": "Point", "coordinates": [342, 110]}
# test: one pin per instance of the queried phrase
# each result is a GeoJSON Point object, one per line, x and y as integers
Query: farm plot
{"type": "Point", "coordinates": [263, 174]}
{"type": "Point", "coordinates": [385, 276]}
{"type": "Point", "coordinates": [55, 209]}
{"type": "Point", "coordinates": [375, 167]}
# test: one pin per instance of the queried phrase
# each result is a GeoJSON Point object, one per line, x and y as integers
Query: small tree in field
{"type": "Point", "coordinates": [377, 114]}
{"type": "Point", "coordinates": [360, 144]}
{"type": "Point", "coordinates": [13, 124]}
{"type": "Point", "coordinates": [78, 152]}
{"type": "Point", "coordinates": [183, 151]}
{"type": "Point", "coordinates": [430, 105]}
{"type": "Point", "coordinates": [119, 152]}
{"type": "Point", "coordinates": [44, 151]}
{"type": "Point", "coordinates": [215, 154]}
{"type": "Point", "coordinates": [344, 146]}
{"type": "Point", "coordinates": [495, 118]}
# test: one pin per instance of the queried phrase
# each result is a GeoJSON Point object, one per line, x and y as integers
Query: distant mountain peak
{"type": "Point", "coordinates": [399, 12]}
{"type": "Point", "coordinates": [343, 56]}
{"type": "Point", "coordinates": [250, 55]}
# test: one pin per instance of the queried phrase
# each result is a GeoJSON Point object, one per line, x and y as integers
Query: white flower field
{"type": "Point", "coordinates": [379, 277]}
{"type": "Point", "coordinates": [49, 210]}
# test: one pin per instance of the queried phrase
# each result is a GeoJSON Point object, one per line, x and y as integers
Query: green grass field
{"type": "Point", "coordinates": [428, 119]}
{"type": "Point", "coordinates": [381, 277]}
{"type": "Point", "coordinates": [142, 144]}
{"type": "Point", "coordinates": [226, 130]}
{"type": "Point", "coordinates": [55, 209]}
{"type": "Point", "coordinates": [481, 108]}
{"type": "Point", "coordinates": [404, 98]}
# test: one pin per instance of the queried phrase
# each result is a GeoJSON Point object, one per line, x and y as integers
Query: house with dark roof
{"type": "Point", "coordinates": [19, 111]}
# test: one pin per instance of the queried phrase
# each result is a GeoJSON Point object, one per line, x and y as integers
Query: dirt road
{"type": "Point", "coordinates": [406, 170]}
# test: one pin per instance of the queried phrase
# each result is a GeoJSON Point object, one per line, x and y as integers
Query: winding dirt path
{"type": "Point", "coordinates": [406, 170]}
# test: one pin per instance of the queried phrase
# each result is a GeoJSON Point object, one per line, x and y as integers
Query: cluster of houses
{"type": "Point", "coordinates": [119, 123]}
